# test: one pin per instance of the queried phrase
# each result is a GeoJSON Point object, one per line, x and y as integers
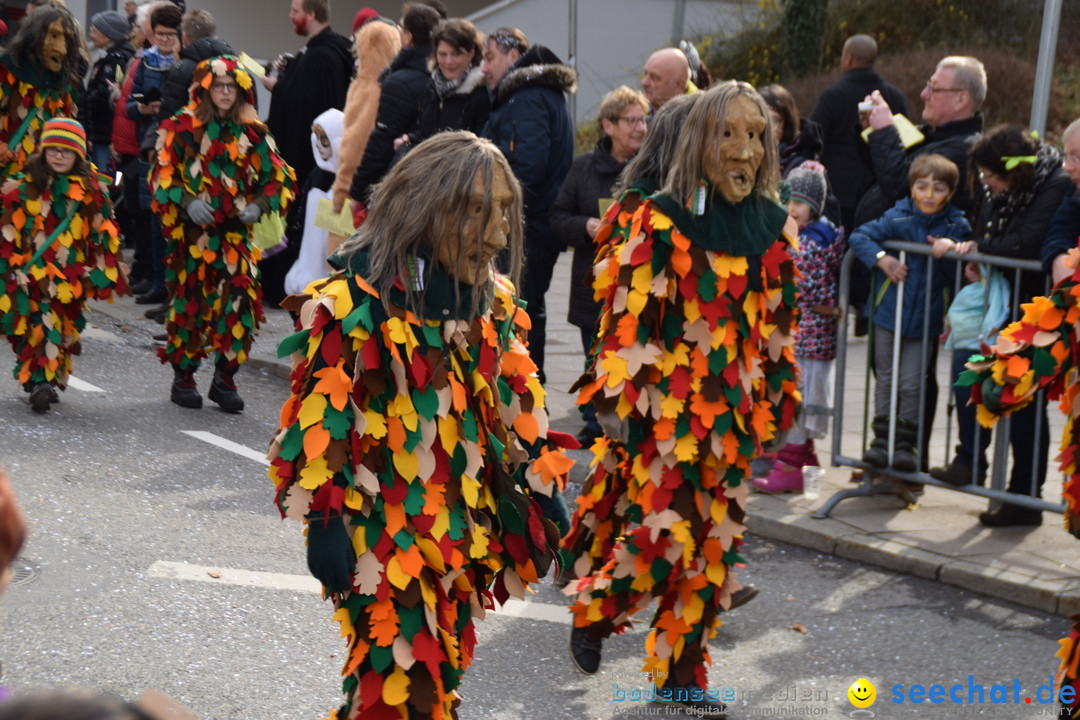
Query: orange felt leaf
{"type": "Point", "coordinates": [457, 392]}
{"type": "Point", "coordinates": [395, 434]}
{"type": "Point", "coordinates": [680, 258]}
{"type": "Point", "coordinates": [522, 319]}
{"type": "Point", "coordinates": [208, 256]}
{"type": "Point", "coordinates": [434, 498]}
{"type": "Point", "coordinates": [359, 652]}
{"type": "Point", "coordinates": [316, 440]}
{"type": "Point", "coordinates": [412, 561]}
{"type": "Point", "coordinates": [384, 628]}
{"type": "Point", "coordinates": [395, 518]}
{"type": "Point", "coordinates": [663, 428]}
{"type": "Point", "coordinates": [526, 427]}
{"type": "Point", "coordinates": [626, 330]}
{"type": "Point", "coordinates": [76, 191]}
{"type": "Point", "coordinates": [333, 381]}
{"type": "Point", "coordinates": [1016, 366]}
{"type": "Point", "coordinates": [552, 464]}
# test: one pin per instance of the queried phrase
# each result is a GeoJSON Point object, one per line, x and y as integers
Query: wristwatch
{"type": "Point", "coordinates": [880, 254]}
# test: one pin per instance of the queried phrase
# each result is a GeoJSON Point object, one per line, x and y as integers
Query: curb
{"type": "Point", "coordinates": [832, 537]}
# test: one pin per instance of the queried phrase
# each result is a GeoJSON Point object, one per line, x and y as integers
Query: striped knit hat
{"type": "Point", "coordinates": [64, 133]}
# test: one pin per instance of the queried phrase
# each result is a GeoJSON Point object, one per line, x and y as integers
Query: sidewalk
{"type": "Point", "coordinates": [939, 539]}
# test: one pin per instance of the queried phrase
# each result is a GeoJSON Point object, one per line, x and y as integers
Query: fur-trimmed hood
{"type": "Point", "coordinates": [473, 80]}
{"type": "Point", "coordinates": [539, 66]}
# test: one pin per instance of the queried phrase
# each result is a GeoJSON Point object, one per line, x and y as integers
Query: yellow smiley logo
{"type": "Point", "coordinates": [862, 693]}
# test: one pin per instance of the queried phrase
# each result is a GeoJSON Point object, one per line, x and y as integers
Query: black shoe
{"type": "Point", "coordinates": [693, 701]}
{"type": "Point", "coordinates": [184, 391]}
{"type": "Point", "coordinates": [1007, 515]}
{"type": "Point", "coordinates": [223, 392]}
{"type": "Point", "coordinates": [862, 325]}
{"type": "Point", "coordinates": [142, 287]}
{"type": "Point", "coordinates": [41, 396]}
{"type": "Point", "coordinates": [955, 473]}
{"type": "Point", "coordinates": [157, 314]}
{"type": "Point", "coordinates": [876, 456]}
{"type": "Point", "coordinates": [584, 652]}
{"type": "Point", "coordinates": [743, 595]}
{"type": "Point", "coordinates": [903, 459]}
{"type": "Point", "coordinates": [156, 296]}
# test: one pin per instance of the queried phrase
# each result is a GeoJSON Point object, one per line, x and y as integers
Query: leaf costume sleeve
{"type": "Point", "coordinates": [423, 433]}
{"type": "Point", "coordinates": [1039, 352]}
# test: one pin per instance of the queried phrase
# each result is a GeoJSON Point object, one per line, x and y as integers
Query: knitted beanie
{"type": "Point", "coordinates": [362, 16]}
{"type": "Point", "coordinates": [64, 133]}
{"type": "Point", "coordinates": [111, 24]}
{"type": "Point", "coordinates": [808, 185]}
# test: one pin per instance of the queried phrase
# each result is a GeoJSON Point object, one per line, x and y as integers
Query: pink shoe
{"type": "Point", "coordinates": [784, 478]}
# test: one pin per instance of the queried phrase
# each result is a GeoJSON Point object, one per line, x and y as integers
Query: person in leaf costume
{"type": "Point", "coordinates": [59, 247]}
{"type": "Point", "coordinates": [415, 440]}
{"type": "Point", "coordinates": [694, 373]}
{"type": "Point", "coordinates": [39, 78]}
{"type": "Point", "coordinates": [216, 172]}
{"type": "Point", "coordinates": [1040, 351]}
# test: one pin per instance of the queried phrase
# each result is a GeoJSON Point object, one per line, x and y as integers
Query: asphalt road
{"type": "Point", "coordinates": [157, 559]}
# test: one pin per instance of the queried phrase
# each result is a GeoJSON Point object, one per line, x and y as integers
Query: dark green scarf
{"type": "Point", "coordinates": [742, 230]}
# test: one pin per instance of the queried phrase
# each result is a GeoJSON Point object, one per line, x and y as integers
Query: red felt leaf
{"type": "Point", "coordinates": [331, 346]}
{"type": "Point", "coordinates": [370, 689]}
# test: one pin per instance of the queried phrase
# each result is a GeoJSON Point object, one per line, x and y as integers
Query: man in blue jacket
{"type": "Point", "coordinates": [531, 124]}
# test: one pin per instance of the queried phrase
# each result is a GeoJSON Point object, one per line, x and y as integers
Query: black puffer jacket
{"type": "Point", "coordinates": [466, 108]}
{"type": "Point", "coordinates": [402, 86]}
{"type": "Point", "coordinates": [175, 89]}
{"type": "Point", "coordinates": [591, 178]}
{"type": "Point", "coordinates": [98, 102]}
{"type": "Point", "coordinates": [1015, 224]}
{"type": "Point", "coordinates": [531, 124]}
{"type": "Point", "coordinates": [892, 162]}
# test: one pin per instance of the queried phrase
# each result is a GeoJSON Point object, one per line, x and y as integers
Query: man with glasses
{"type": "Point", "coordinates": [952, 122]}
{"type": "Point", "coordinates": [531, 125]}
{"type": "Point", "coordinates": [1064, 228]}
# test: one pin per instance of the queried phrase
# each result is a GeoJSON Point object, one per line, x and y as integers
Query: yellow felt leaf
{"type": "Point", "coordinates": [5, 303]}
{"type": "Point", "coordinates": [407, 464]}
{"type": "Point", "coordinates": [479, 546]}
{"type": "Point", "coordinates": [376, 424]}
{"type": "Point", "coordinates": [396, 575]}
{"type": "Point", "coordinates": [63, 292]}
{"type": "Point", "coordinates": [312, 410]}
{"type": "Point", "coordinates": [681, 532]}
{"type": "Point", "coordinates": [315, 473]}
{"type": "Point", "coordinates": [342, 616]}
{"type": "Point", "coordinates": [33, 207]}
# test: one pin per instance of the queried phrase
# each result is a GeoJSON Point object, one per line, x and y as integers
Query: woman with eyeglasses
{"type": "Point", "coordinates": [583, 200]}
{"type": "Point", "coordinates": [59, 248]}
{"type": "Point", "coordinates": [1018, 183]}
{"type": "Point", "coordinates": [216, 172]}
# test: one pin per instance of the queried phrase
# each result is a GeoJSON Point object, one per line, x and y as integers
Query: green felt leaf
{"type": "Point", "coordinates": [338, 422]}
{"type": "Point", "coordinates": [404, 539]}
{"type": "Point", "coordinates": [458, 526]}
{"type": "Point", "coordinates": [381, 657]}
{"type": "Point", "coordinates": [968, 378]}
{"type": "Point", "coordinates": [1043, 363]}
{"type": "Point", "coordinates": [426, 402]}
{"type": "Point", "coordinates": [414, 501]}
{"type": "Point", "coordinates": [293, 343]}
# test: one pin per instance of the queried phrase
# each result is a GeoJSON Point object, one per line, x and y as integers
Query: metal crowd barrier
{"type": "Point", "coordinates": [887, 481]}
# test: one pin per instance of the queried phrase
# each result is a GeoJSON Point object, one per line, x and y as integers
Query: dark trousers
{"type": "Point", "coordinates": [540, 262]}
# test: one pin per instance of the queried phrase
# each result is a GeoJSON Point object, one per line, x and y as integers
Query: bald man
{"type": "Point", "coordinates": [667, 74]}
{"type": "Point", "coordinates": [837, 112]}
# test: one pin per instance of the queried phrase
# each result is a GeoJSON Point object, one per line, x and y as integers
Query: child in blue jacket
{"type": "Point", "coordinates": [925, 217]}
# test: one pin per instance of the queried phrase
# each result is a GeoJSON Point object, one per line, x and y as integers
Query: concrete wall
{"type": "Point", "coordinates": [614, 37]}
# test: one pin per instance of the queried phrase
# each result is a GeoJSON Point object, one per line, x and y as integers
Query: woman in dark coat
{"type": "Point", "coordinates": [1018, 183]}
{"type": "Point", "coordinates": [798, 139]}
{"type": "Point", "coordinates": [583, 200]}
{"type": "Point", "coordinates": [457, 96]}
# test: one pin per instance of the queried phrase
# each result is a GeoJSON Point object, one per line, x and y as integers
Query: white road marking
{"type": "Point", "coordinates": [82, 385]}
{"type": "Point", "coordinates": [226, 444]}
{"type": "Point", "coordinates": [305, 583]}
